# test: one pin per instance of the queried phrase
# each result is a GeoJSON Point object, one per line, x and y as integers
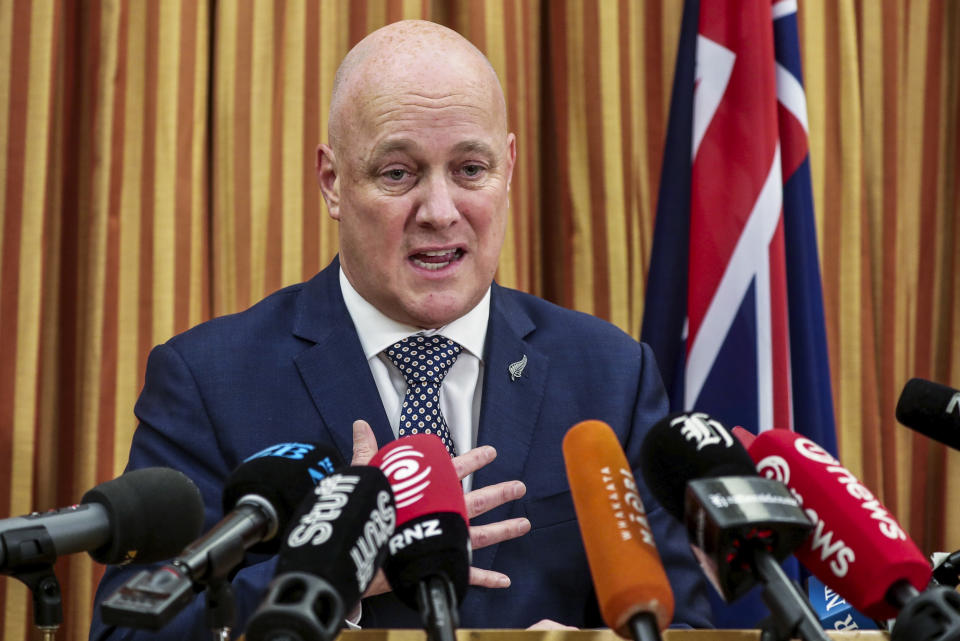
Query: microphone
{"type": "Point", "coordinates": [428, 559]}
{"type": "Point", "coordinates": [334, 545]}
{"type": "Point", "coordinates": [931, 409]}
{"type": "Point", "coordinates": [857, 547]}
{"type": "Point", "coordinates": [946, 568]}
{"type": "Point", "coordinates": [632, 587]}
{"type": "Point", "coordinates": [260, 497]}
{"type": "Point", "coordinates": [142, 516]}
{"type": "Point", "coordinates": [833, 610]}
{"type": "Point", "coordinates": [742, 526]}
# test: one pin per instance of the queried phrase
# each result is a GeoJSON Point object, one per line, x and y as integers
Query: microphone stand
{"type": "Point", "coordinates": [47, 603]}
{"type": "Point", "coordinates": [35, 570]}
{"type": "Point", "coordinates": [437, 602]}
{"type": "Point", "coordinates": [643, 627]}
{"type": "Point", "coordinates": [221, 608]}
{"type": "Point", "coordinates": [790, 614]}
{"type": "Point", "coordinates": [152, 598]}
{"type": "Point", "coordinates": [931, 615]}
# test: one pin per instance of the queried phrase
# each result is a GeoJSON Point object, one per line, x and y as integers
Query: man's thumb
{"type": "Point", "coordinates": [364, 443]}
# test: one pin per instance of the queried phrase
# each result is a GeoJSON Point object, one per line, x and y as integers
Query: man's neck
{"type": "Point", "coordinates": [377, 331]}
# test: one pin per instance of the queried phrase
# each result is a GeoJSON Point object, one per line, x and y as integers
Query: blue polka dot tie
{"type": "Point", "coordinates": [424, 362]}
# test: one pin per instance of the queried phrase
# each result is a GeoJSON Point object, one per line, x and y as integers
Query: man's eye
{"type": "Point", "coordinates": [472, 171]}
{"type": "Point", "coordinates": [395, 174]}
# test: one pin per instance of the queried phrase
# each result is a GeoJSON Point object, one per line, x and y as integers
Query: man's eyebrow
{"type": "Point", "coordinates": [409, 146]}
{"type": "Point", "coordinates": [390, 146]}
{"type": "Point", "coordinates": [475, 147]}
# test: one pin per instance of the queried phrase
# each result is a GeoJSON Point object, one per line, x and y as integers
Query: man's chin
{"type": "Point", "coordinates": [438, 309]}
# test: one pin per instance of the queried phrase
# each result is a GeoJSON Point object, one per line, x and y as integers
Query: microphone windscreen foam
{"type": "Point", "coordinates": [283, 474]}
{"type": "Point", "coordinates": [422, 476]}
{"type": "Point", "coordinates": [686, 446]}
{"type": "Point", "coordinates": [154, 513]}
{"type": "Point", "coordinates": [931, 409]}
{"type": "Point", "coordinates": [339, 531]}
{"type": "Point", "coordinates": [627, 572]}
{"type": "Point", "coordinates": [432, 536]}
{"type": "Point", "coordinates": [745, 436]}
{"type": "Point", "coordinates": [857, 547]}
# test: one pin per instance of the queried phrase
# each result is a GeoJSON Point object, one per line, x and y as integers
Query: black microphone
{"type": "Point", "coordinates": [742, 525]}
{"type": "Point", "coordinates": [333, 547]}
{"type": "Point", "coordinates": [931, 409]}
{"type": "Point", "coordinates": [946, 570]}
{"type": "Point", "coordinates": [428, 561]}
{"type": "Point", "coordinates": [143, 516]}
{"type": "Point", "coordinates": [260, 497]}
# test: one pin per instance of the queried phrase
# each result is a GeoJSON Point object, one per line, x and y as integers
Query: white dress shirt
{"type": "Point", "coordinates": [461, 389]}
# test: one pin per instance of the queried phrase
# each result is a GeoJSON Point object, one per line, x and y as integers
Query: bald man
{"type": "Point", "coordinates": [417, 173]}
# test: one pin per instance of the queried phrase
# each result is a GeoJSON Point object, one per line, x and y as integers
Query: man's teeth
{"type": "Point", "coordinates": [434, 266]}
{"type": "Point", "coordinates": [431, 266]}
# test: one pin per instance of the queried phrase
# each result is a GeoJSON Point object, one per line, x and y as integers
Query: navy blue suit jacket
{"type": "Point", "coordinates": [291, 368]}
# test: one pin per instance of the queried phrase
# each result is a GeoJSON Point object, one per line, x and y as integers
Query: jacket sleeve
{"type": "Point", "coordinates": [175, 431]}
{"type": "Point", "coordinates": [691, 603]}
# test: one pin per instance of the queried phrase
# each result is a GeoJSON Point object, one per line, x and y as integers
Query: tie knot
{"type": "Point", "coordinates": [423, 358]}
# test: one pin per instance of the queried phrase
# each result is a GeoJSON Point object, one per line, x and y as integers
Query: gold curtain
{"type": "Point", "coordinates": [156, 170]}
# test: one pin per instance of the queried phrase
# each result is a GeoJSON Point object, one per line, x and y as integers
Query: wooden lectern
{"type": "Point", "coordinates": [588, 635]}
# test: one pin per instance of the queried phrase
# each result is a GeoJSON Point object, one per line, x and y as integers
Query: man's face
{"type": "Point", "coordinates": [419, 187]}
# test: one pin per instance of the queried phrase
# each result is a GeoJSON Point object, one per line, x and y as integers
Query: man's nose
{"type": "Point", "coordinates": [438, 208]}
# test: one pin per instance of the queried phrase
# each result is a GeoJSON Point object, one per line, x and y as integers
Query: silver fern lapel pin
{"type": "Point", "coordinates": [516, 369]}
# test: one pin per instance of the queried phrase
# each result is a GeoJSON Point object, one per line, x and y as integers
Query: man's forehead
{"type": "Point", "coordinates": [405, 113]}
{"type": "Point", "coordinates": [413, 58]}
{"type": "Point", "coordinates": [413, 146]}
{"type": "Point", "coordinates": [406, 40]}
{"type": "Point", "coordinates": [430, 74]}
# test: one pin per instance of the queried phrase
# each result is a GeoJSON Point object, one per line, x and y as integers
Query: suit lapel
{"type": "Point", "coordinates": [511, 405]}
{"type": "Point", "coordinates": [338, 378]}
{"type": "Point", "coordinates": [334, 370]}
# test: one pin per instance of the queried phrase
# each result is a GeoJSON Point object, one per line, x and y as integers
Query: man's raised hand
{"type": "Point", "coordinates": [477, 501]}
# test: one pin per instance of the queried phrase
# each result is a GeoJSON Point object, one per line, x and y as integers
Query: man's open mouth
{"type": "Point", "coordinates": [435, 260]}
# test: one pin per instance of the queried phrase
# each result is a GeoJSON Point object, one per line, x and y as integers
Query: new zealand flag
{"type": "Point", "coordinates": [734, 307]}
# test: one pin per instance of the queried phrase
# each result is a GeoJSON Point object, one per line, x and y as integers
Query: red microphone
{"type": "Point", "coordinates": [857, 547]}
{"type": "Point", "coordinates": [428, 558]}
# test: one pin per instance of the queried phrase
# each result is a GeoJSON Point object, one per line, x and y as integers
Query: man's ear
{"type": "Point", "coordinates": [329, 179]}
{"type": "Point", "coordinates": [511, 157]}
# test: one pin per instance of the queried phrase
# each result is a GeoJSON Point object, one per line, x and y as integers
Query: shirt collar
{"type": "Point", "coordinates": [377, 331]}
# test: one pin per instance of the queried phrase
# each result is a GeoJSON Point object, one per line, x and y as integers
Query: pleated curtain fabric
{"type": "Point", "coordinates": [156, 169]}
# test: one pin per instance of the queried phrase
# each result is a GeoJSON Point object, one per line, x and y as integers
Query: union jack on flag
{"type": "Point", "coordinates": [734, 307]}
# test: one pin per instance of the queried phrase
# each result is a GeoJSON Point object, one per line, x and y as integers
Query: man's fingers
{"type": "Point", "coordinates": [488, 579]}
{"type": "Point", "coordinates": [486, 498]}
{"type": "Point", "coordinates": [364, 443]}
{"type": "Point", "coordinates": [483, 535]}
{"type": "Point", "coordinates": [472, 460]}
{"type": "Point", "coordinates": [378, 585]}
{"type": "Point", "coordinates": [549, 624]}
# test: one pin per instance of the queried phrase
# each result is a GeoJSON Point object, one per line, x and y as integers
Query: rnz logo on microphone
{"type": "Point", "coordinates": [625, 503]}
{"type": "Point", "coordinates": [407, 477]}
{"type": "Point", "coordinates": [316, 526]}
{"type": "Point", "coordinates": [411, 533]}
{"type": "Point", "coordinates": [376, 531]}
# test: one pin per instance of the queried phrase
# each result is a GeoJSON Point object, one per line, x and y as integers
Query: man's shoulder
{"type": "Point", "coordinates": [552, 321]}
{"type": "Point", "coordinates": [272, 314]}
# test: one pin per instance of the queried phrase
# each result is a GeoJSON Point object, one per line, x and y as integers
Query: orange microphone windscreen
{"type": "Point", "coordinates": [627, 572]}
